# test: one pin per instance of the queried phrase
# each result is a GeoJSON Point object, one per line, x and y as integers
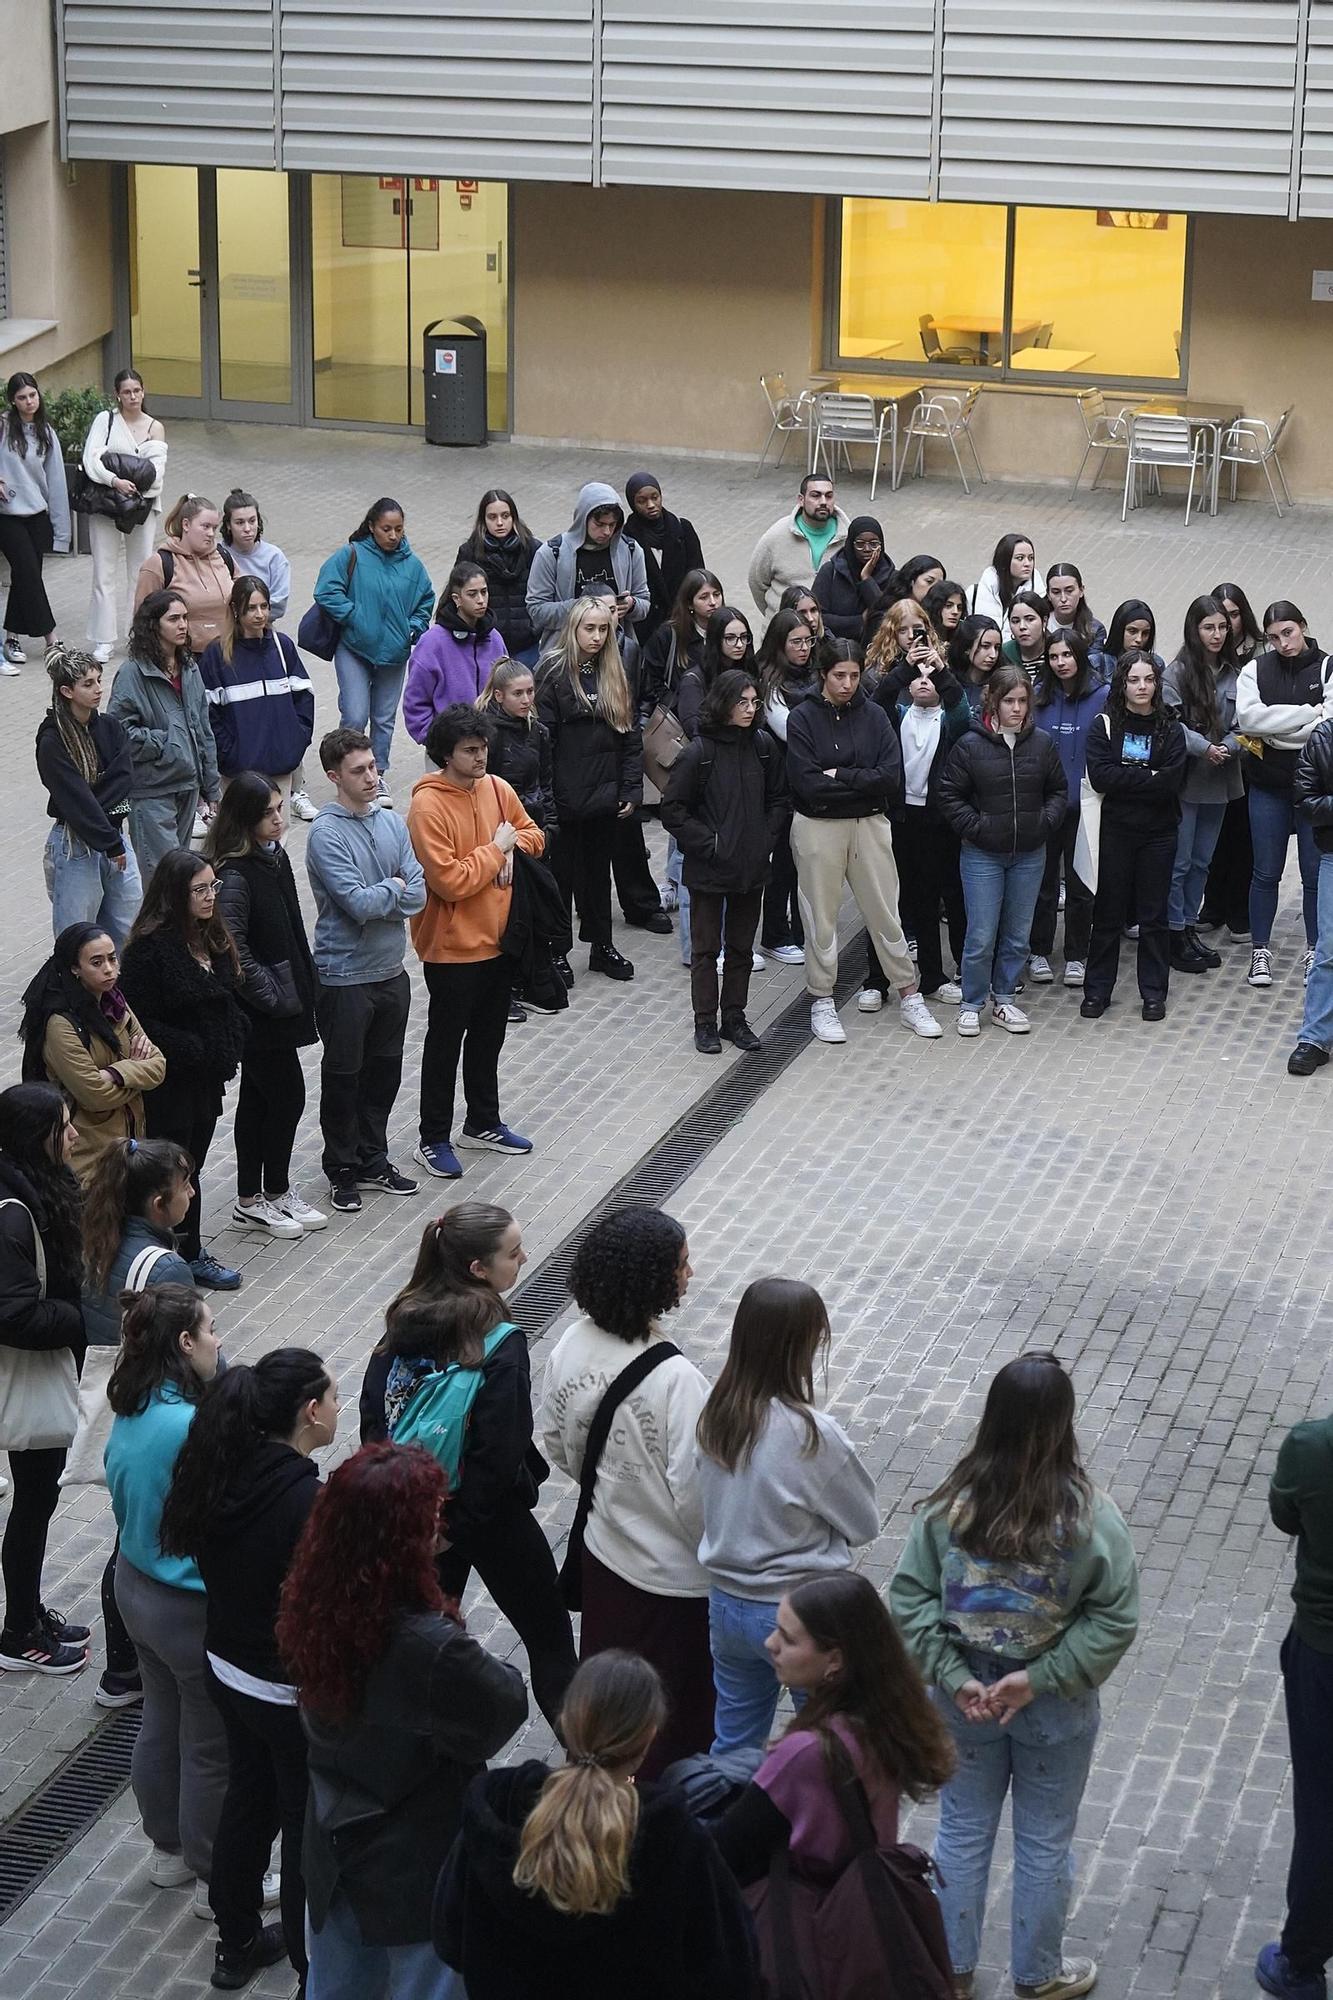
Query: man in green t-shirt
{"type": "Point", "coordinates": [794, 547]}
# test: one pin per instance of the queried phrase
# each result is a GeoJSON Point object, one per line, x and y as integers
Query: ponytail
{"type": "Point", "coordinates": [125, 1181]}
{"type": "Point", "coordinates": [239, 1410]}
{"type": "Point", "coordinates": [577, 1840]}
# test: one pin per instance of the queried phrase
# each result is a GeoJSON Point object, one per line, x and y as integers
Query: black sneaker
{"type": "Point", "coordinates": [737, 1030]}
{"type": "Point", "coordinates": [565, 970]}
{"type": "Point", "coordinates": [207, 1271]}
{"type": "Point", "coordinates": [343, 1194]}
{"type": "Point", "coordinates": [517, 1012]}
{"type": "Point", "coordinates": [1212, 959]}
{"type": "Point", "coordinates": [1305, 1059]}
{"type": "Point", "coordinates": [656, 921]}
{"type": "Point", "coordinates": [118, 1690]}
{"type": "Point", "coordinates": [1091, 1008]}
{"type": "Point", "coordinates": [605, 958]}
{"type": "Point", "coordinates": [389, 1182]}
{"type": "Point", "coordinates": [706, 1038]}
{"type": "Point", "coordinates": [37, 1653]}
{"type": "Point", "coordinates": [233, 1969]}
{"type": "Point", "coordinates": [60, 1629]}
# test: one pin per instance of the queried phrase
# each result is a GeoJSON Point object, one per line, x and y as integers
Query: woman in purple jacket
{"type": "Point", "coordinates": [452, 662]}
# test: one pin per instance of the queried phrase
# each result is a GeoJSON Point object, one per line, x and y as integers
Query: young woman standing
{"type": "Point", "coordinates": [1003, 792]}
{"type": "Point", "coordinates": [258, 904]}
{"type": "Point", "coordinates": [1199, 688]}
{"type": "Point", "coordinates": [1280, 698]}
{"type": "Point", "coordinates": [1133, 629]}
{"type": "Point", "coordinates": [191, 563]}
{"type": "Point", "coordinates": [1029, 621]}
{"type": "Point", "coordinates": [40, 1283]}
{"type": "Point", "coordinates": [78, 1032]}
{"type": "Point", "coordinates": [241, 1491]}
{"type": "Point", "coordinates": [380, 597]}
{"type": "Point", "coordinates": [584, 700]}
{"type": "Point", "coordinates": [974, 653]}
{"type": "Point", "coordinates": [786, 673]}
{"type": "Point", "coordinates": [504, 547]}
{"type": "Point", "coordinates": [903, 627]}
{"type": "Point", "coordinates": [452, 662]}
{"type": "Point", "coordinates": [1247, 636]}
{"type": "Point", "coordinates": [670, 548]}
{"type": "Point", "coordinates": [725, 804]}
{"type": "Point", "coordinates": [799, 597]}
{"type": "Point", "coordinates": [785, 1497]}
{"type": "Point", "coordinates": [852, 587]}
{"type": "Point", "coordinates": [522, 750]}
{"type": "Point", "coordinates": [84, 761]}
{"type": "Point", "coordinates": [677, 645]}
{"type": "Point", "coordinates": [1012, 568]}
{"type": "Point", "coordinates": [34, 515]}
{"type": "Point", "coordinates": [181, 974]}
{"type": "Point", "coordinates": [1017, 1595]}
{"type": "Point", "coordinates": [251, 555]}
{"type": "Point", "coordinates": [127, 431]}
{"type": "Point", "coordinates": [1070, 612]}
{"type": "Point", "coordinates": [1068, 696]}
{"type": "Point", "coordinates": [260, 699]}
{"type": "Point", "coordinates": [586, 1881]}
{"type": "Point", "coordinates": [1136, 759]}
{"type": "Point", "coordinates": [159, 698]}
{"type": "Point", "coordinates": [642, 1585]}
{"type": "Point", "coordinates": [945, 606]}
{"type": "Point", "coordinates": [400, 1709]}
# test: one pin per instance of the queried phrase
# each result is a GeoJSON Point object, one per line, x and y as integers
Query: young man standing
{"type": "Point", "coordinates": [465, 826]}
{"type": "Point", "coordinates": [592, 557]}
{"type": "Point", "coordinates": [366, 881]}
{"type": "Point", "coordinates": [794, 547]}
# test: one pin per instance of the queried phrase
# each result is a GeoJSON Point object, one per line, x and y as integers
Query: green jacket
{"type": "Point", "coordinates": [1300, 1501]}
{"type": "Point", "coordinates": [1069, 1621]}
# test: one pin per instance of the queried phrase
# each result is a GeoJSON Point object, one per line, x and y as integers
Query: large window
{"type": "Point", "coordinates": [1017, 293]}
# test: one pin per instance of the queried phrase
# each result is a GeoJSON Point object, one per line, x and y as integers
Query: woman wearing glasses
{"type": "Point", "coordinates": [180, 974]}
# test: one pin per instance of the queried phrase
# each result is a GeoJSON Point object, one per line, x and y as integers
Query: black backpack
{"type": "Point", "coordinates": [168, 561]}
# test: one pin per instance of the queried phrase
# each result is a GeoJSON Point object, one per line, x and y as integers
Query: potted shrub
{"type": "Point", "coordinates": [69, 413]}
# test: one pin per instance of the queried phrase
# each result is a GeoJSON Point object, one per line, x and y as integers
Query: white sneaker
{"type": "Point", "coordinates": [949, 995]}
{"type": "Point", "coordinates": [911, 948]}
{"type": "Point", "coordinates": [1039, 970]}
{"type": "Point", "coordinates": [669, 896]}
{"type": "Point", "coordinates": [1307, 963]}
{"type": "Point", "coordinates": [1261, 967]}
{"type": "Point", "coordinates": [303, 806]}
{"type": "Point", "coordinates": [1060, 900]}
{"type": "Point", "coordinates": [265, 1214]}
{"type": "Point", "coordinates": [786, 954]}
{"type": "Point", "coordinates": [14, 653]}
{"type": "Point", "coordinates": [824, 1023]}
{"type": "Point", "coordinates": [299, 1211]}
{"type": "Point", "coordinates": [271, 1896]}
{"type": "Point", "coordinates": [10, 672]}
{"type": "Point", "coordinates": [4, 1486]}
{"type": "Point", "coordinates": [102, 654]}
{"type": "Point", "coordinates": [167, 1870]}
{"type": "Point", "coordinates": [969, 1021]}
{"type": "Point", "coordinates": [1075, 971]}
{"type": "Point", "coordinates": [869, 1000]}
{"type": "Point", "coordinates": [1012, 1019]}
{"type": "Point", "coordinates": [757, 961]}
{"type": "Point", "coordinates": [200, 828]}
{"type": "Point", "coordinates": [915, 1015]}
{"type": "Point", "coordinates": [1131, 931]}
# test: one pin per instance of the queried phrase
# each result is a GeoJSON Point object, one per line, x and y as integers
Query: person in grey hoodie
{"type": "Point", "coordinates": [366, 881]}
{"type": "Point", "coordinates": [592, 557]}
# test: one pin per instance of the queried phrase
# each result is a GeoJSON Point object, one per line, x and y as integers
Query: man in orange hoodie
{"type": "Point", "coordinates": [464, 825]}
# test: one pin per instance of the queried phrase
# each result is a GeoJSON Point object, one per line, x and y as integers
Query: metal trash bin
{"type": "Point", "coordinates": [455, 381]}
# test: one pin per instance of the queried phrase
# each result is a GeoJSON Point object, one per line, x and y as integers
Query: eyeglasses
{"type": "Point", "coordinates": [203, 888]}
{"type": "Point", "coordinates": [748, 701]}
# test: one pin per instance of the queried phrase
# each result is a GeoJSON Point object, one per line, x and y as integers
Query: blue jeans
{"type": "Point", "coordinates": [747, 1687]}
{"type": "Point", "coordinates": [86, 888]}
{"type": "Point", "coordinates": [368, 699]}
{"type": "Point", "coordinates": [343, 1967]}
{"type": "Point", "coordinates": [1000, 891]}
{"type": "Point", "coordinates": [1317, 1024]}
{"type": "Point", "coordinates": [675, 861]}
{"type": "Point", "coordinates": [1272, 822]}
{"type": "Point", "coordinates": [1195, 841]}
{"type": "Point", "coordinates": [1043, 1756]}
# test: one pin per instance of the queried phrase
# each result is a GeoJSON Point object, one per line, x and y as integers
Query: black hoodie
{"type": "Point", "coordinates": [681, 1930]}
{"type": "Point", "coordinates": [251, 1537]}
{"type": "Point", "coordinates": [95, 813]}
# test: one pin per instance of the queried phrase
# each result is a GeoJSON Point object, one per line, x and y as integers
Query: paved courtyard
{"type": "Point", "coordinates": [1148, 1201]}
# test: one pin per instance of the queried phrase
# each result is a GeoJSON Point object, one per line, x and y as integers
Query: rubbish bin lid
{"type": "Point", "coordinates": [476, 331]}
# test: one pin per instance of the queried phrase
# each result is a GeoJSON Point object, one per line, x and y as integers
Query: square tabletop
{"type": "Point", "coordinates": [1197, 412]}
{"type": "Point", "coordinates": [987, 323]}
{"type": "Point", "coordinates": [1051, 360]}
{"type": "Point", "coordinates": [883, 388]}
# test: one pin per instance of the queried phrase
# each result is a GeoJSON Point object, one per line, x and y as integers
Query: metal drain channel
{"type": "Point", "coordinates": [62, 1810]}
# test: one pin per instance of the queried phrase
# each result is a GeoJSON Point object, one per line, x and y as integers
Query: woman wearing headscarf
{"type": "Point", "coordinates": [853, 586]}
{"type": "Point", "coordinates": [670, 548]}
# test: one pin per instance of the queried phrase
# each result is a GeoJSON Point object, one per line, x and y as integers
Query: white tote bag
{"type": "Point", "coordinates": [84, 1465]}
{"type": "Point", "coordinates": [1088, 839]}
{"type": "Point", "coordinates": [39, 1393]}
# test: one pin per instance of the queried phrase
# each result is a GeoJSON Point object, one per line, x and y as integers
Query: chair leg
{"type": "Point", "coordinates": [958, 462]}
{"type": "Point", "coordinates": [976, 455]}
{"type": "Point", "coordinates": [1073, 491]}
{"type": "Point", "coordinates": [1282, 478]}
{"type": "Point", "coordinates": [768, 445]}
{"type": "Point", "coordinates": [1189, 491]}
{"type": "Point", "coordinates": [1129, 470]}
{"type": "Point", "coordinates": [1272, 489]}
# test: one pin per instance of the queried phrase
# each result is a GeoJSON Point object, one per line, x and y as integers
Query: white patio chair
{"type": "Point", "coordinates": [789, 414]}
{"type": "Point", "coordinates": [842, 421]}
{"type": "Point", "coordinates": [1251, 441]}
{"type": "Point", "coordinates": [942, 418]}
{"type": "Point", "coordinates": [1105, 433]}
{"type": "Point", "coordinates": [1156, 441]}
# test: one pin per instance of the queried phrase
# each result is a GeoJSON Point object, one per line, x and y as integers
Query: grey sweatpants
{"type": "Point", "coordinates": [179, 1768]}
{"type": "Point", "coordinates": [158, 825]}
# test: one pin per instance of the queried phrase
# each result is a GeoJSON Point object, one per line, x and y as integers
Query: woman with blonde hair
{"type": "Point", "coordinates": [191, 563]}
{"type": "Point", "coordinates": [904, 626]}
{"type": "Point", "coordinates": [575, 1881]}
{"type": "Point", "coordinates": [584, 699]}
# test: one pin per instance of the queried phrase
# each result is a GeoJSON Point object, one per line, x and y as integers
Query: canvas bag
{"type": "Point", "coordinates": [1088, 839]}
{"type": "Point", "coordinates": [437, 1413]}
{"type": "Point", "coordinates": [318, 632]}
{"type": "Point", "coordinates": [84, 1465]}
{"type": "Point", "coordinates": [39, 1393]}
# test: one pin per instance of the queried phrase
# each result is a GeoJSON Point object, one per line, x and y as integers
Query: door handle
{"type": "Point", "coordinates": [195, 278]}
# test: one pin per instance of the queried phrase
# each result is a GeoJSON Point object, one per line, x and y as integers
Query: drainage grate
{"type": "Point", "coordinates": [541, 1299]}
{"type": "Point", "coordinates": [62, 1810]}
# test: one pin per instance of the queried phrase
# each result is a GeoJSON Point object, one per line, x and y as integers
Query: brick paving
{"type": "Point", "coordinates": [1148, 1201]}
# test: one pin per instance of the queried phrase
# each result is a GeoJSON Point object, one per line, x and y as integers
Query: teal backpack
{"type": "Point", "coordinates": [437, 1413]}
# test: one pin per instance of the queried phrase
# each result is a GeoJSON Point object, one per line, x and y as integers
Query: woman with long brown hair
{"type": "Point", "coordinates": [401, 1709]}
{"type": "Point", "coordinates": [1017, 1595]}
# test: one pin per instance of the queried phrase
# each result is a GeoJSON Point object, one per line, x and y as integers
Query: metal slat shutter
{"type": "Point", "coordinates": [4, 269]}
{"type": "Point", "coordinates": [1316, 177]}
{"type": "Point", "coordinates": [151, 81]}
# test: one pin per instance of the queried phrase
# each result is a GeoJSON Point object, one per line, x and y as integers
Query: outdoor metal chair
{"type": "Point", "coordinates": [842, 421]}
{"type": "Point", "coordinates": [1105, 433]}
{"type": "Point", "coordinates": [942, 418]}
{"type": "Point", "coordinates": [1251, 441]}
{"type": "Point", "coordinates": [789, 413]}
{"type": "Point", "coordinates": [1156, 441]}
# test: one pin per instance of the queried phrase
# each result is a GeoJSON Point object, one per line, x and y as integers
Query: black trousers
{"type": "Point", "coordinates": [581, 861]}
{"type": "Point", "coordinates": [35, 1483]}
{"type": "Point", "coordinates": [513, 1558]}
{"type": "Point", "coordinates": [1134, 872]}
{"type": "Point", "coordinates": [187, 1113]}
{"type": "Point", "coordinates": [1078, 896]}
{"type": "Point", "coordinates": [469, 1011]}
{"type": "Point", "coordinates": [1226, 898]}
{"type": "Point", "coordinates": [266, 1795]}
{"type": "Point", "coordinates": [362, 1028]}
{"type": "Point", "coordinates": [1307, 1682]}
{"type": "Point", "coordinates": [269, 1105]}
{"type": "Point", "coordinates": [782, 915]}
{"type": "Point", "coordinates": [24, 540]}
{"type": "Point", "coordinates": [636, 890]}
{"type": "Point", "coordinates": [707, 926]}
{"type": "Point", "coordinates": [121, 1657]}
{"type": "Point", "coordinates": [926, 852]}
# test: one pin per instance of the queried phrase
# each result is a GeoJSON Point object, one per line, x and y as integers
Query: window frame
{"type": "Point", "coordinates": [832, 357]}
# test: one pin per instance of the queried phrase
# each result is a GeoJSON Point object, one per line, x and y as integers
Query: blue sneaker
{"type": "Point", "coordinates": [439, 1158]}
{"type": "Point", "coordinates": [1275, 1976]}
{"type": "Point", "coordinates": [498, 1139]}
{"type": "Point", "coordinates": [206, 1270]}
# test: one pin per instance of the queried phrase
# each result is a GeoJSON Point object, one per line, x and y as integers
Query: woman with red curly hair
{"type": "Point", "coordinates": [401, 1710]}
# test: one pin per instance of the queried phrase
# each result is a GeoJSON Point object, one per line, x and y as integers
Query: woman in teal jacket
{"type": "Point", "coordinates": [379, 595]}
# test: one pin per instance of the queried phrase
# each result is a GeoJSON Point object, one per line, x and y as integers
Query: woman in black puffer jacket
{"type": "Point", "coordinates": [1003, 792]}
{"type": "Point", "coordinates": [521, 751]}
{"type": "Point", "coordinates": [503, 547]}
{"type": "Point", "coordinates": [725, 803]}
{"type": "Point", "coordinates": [180, 972]}
{"type": "Point", "coordinates": [257, 901]}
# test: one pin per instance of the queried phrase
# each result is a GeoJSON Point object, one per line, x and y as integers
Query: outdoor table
{"type": "Point", "coordinates": [986, 327]}
{"type": "Point", "coordinates": [1051, 360]}
{"type": "Point", "coordinates": [882, 390]}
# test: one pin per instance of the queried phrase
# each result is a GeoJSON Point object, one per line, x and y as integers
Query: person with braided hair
{"type": "Point", "coordinates": [84, 761]}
